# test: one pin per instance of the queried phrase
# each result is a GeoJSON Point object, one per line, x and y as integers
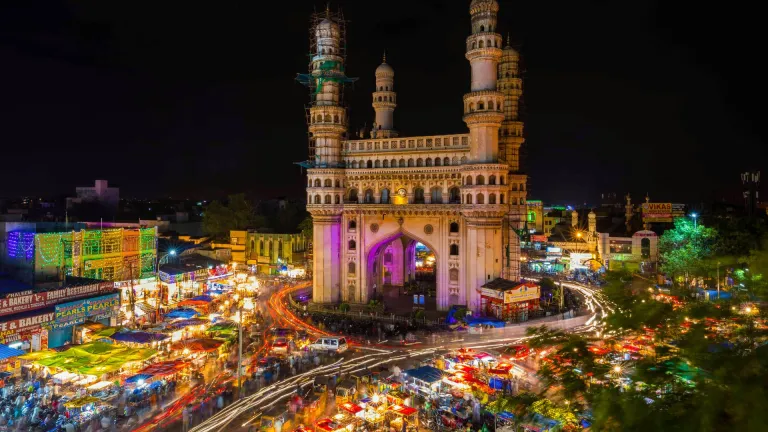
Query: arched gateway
{"type": "Point", "coordinates": [372, 199]}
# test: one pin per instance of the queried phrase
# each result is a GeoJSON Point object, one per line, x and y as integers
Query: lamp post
{"type": "Point", "coordinates": [718, 280]}
{"type": "Point", "coordinates": [695, 216]}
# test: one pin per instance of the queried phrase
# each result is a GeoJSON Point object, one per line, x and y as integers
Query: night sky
{"type": "Point", "coordinates": [198, 99]}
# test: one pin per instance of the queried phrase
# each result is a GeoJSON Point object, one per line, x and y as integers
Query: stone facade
{"type": "Point", "coordinates": [372, 200]}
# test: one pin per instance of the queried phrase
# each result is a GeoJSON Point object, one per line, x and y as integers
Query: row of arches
{"type": "Point", "coordinates": [269, 250]}
{"type": "Point", "coordinates": [485, 44]}
{"type": "Point", "coordinates": [384, 99]}
{"type": "Point", "coordinates": [384, 88]}
{"type": "Point", "coordinates": [326, 183]}
{"type": "Point", "coordinates": [479, 198]}
{"type": "Point", "coordinates": [328, 199]}
{"type": "Point", "coordinates": [488, 105]}
{"type": "Point", "coordinates": [402, 163]}
{"type": "Point", "coordinates": [320, 118]}
{"type": "Point", "coordinates": [436, 196]}
{"type": "Point", "coordinates": [480, 180]}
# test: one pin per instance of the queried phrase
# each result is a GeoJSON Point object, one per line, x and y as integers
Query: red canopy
{"type": "Point", "coordinates": [326, 424]}
{"type": "Point", "coordinates": [465, 368]}
{"type": "Point", "coordinates": [164, 368]}
{"type": "Point", "coordinates": [206, 345]}
{"type": "Point", "coordinates": [351, 408]}
{"type": "Point", "coordinates": [401, 410]}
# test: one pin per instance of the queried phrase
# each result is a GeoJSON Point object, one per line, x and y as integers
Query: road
{"type": "Point", "coordinates": [242, 413]}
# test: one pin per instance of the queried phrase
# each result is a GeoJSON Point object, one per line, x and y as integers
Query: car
{"type": "Point", "coordinates": [332, 344]}
{"type": "Point", "coordinates": [275, 333]}
{"type": "Point", "coordinates": [266, 363]}
{"type": "Point", "coordinates": [280, 346]}
{"type": "Point", "coordinates": [515, 352]}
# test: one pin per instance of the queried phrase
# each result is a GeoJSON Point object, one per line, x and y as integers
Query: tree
{"type": "Point", "coordinates": [687, 249]}
{"type": "Point", "coordinates": [306, 227]}
{"type": "Point", "coordinates": [238, 214]}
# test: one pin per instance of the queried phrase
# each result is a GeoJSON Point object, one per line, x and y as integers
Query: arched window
{"type": "Point", "coordinates": [453, 275]}
{"type": "Point", "coordinates": [377, 164]}
{"type": "Point", "coordinates": [352, 245]}
{"type": "Point", "coordinates": [428, 162]}
{"type": "Point", "coordinates": [386, 163]}
{"type": "Point", "coordinates": [338, 183]}
{"type": "Point", "coordinates": [411, 163]}
{"type": "Point", "coordinates": [474, 45]}
{"type": "Point", "coordinates": [454, 227]}
{"type": "Point", "coordinates": [253, 246]}
{"type": "Point", "coordinates": [317, 183]}
{"type": "Point", "coordinates": [402, 163]}
{"type": "Point", "coordinates": [501, 180]}
{"type": "Point", "coordinates": [492, 180]}
{"type": "Point", "coordinates": [369, 196]}
{"type": "Point", "coordinates": [436, 195]}
{"type": "Point", "coordinates": [645, 247]}
{"type": "Point", "coordinates": [380, 99]}
{"type": "Point", "coordinates": [317, 199]}
{"type": "Point", "coordinates": [480, 180]}
{"type": "Point", "coordinates": [390, 98]}
{"type": "Point", "coordinates": [472, 107]}
{"type": "Point", "coordinates": [336, 118]}
{"type": "Point", "coordinates": [480, 198]}
{"type": "Point", "coordinates": [454, 195]}
{"type": "Point", "coordinates": [393, 163]}
{"type": "Point", "coordinates": [386, 88]}
{"type": "Point", "coordinates": [327, 118]}
{"type": "Point", "coordinates": [463, 160]}
{"type": "Point", "coordinates": [446, 161]}
{"type": "Point", "coordinates": [271, 248]}
{"type": "Point", "coordinates": [469, 199]}
{"type": "Point", "coordinates": [369, 164]}
{"type": "Point", "coordinates": [492, 198]}
{"type": "Point", "coordinates": [514, 187]}
{"type": "Point", "coordinates": [328, 183]}
{"type": "Point", "coordinates": [514, 201]}
{"type": "Point", "coordinates": [280, 249]}
{"type": "Point", "coordinates": [352, 225]}
{"type": "Point", "coordinates": [482, 28]}
{"type": "Point", "coordinates": [353, 195]}
{"type": "Point", "coordinates": [418, 196]}
{"type": "Point", "coordinates": [438, 161]}
{"type": "Point", "coordinates": [351, 268]}
{"type": "Point", "coordinates": [454, 249]}
{"type": "Point", "coordinates": [468, 181]}
{"type": "Point", "coordinates": [419, 162]}
{"type": "Point", "coordinates": [385, 196]}
{"type": "Point", "coordinates": [338, 199]}
{"type": "Point", "coordinates": [501, 198]}
{"type": "Point", "coordinates": [354, 164]}
{"type": "Point", "coordinates": [381, 88]}
{"type": "Point", "coordinates": [328, 199]}
{"type": "Point", "coordinates": [522, 187]}
{"type": "Point", "coordinates": [362, 164]}
{"type": "Point", "coordinates": [490, 105]}
{"type": "Point", "coordinates": [454, 160]}
{"type": "Point", "coordinates": [480, 106]}
{"type": "Point", "coordinates": [261, 247]}
{"type": "Point", "coordinates": [482, 44]}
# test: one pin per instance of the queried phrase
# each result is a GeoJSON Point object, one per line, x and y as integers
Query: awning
{"type": "Point", "coordinates": [206, 345]}
{"type": "Point", "coordinates": [182, 313]}
{"type": "Point", "coordinates": [137, 378]}
{"type": "Point", "coordinates": [7, 352]}
{"type": "Point", "coordinates": [427, 374]}
{"type": "Point", "coordinates": [401, 410]}
{"type": "Point", "coordinates": [164, 368]}
{"type": "Point", "coordinates": [177, 325]}
{"type": "Point", "coordinates": [138, 337]}
{"type": "Point", "coordinates": [351, 408]}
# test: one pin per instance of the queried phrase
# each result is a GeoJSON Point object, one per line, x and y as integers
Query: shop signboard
{"type": "Point", "coordinates": [30, 300]}
{"type": "Point", "coordinates": [539, 238]}
{"type": "Point", "coordinates": [76, 312]}
{"type": "Point", "coordinates": [492, 293]}
{"type": "Point", "coordinates": [662, 212]}
{"type": "Point", "coordinates": [522, 293]}
{"type": "Point", "coordinates": [22, 328]}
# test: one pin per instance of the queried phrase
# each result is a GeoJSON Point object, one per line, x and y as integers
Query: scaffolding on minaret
{"type": "Point", "coordinates": [329, 71]}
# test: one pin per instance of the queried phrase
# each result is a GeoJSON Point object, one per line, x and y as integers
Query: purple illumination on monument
{"type": "Point", "coordinates": [21, 244]}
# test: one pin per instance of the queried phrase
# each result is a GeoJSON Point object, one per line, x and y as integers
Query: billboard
{"type": "Point", "coordinates": [522, 293]}
{"type": "Point", "coordinates": [580, 260]}
{"type": "Point", "coordinates": [662, 212]}
{"type": "Point", "coordinates": [21, 328]}
{"type": "Point", "coordinates": [29, 300]}
{"type": "Point", "coordinates": [96, 308]}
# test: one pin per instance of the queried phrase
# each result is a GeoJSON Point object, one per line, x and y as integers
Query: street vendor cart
{"type": "Point", "coordinates": [346, 391]}
{"type": "Point", "coordinates": [269, 417]}
{"type": "Point", "coordinates": [403, 418]}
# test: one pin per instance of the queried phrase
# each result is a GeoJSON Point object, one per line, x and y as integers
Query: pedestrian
{"type": "Point", "coordinates": [185, 419]}
{"type": "Point", "coordinates": [219, 402]}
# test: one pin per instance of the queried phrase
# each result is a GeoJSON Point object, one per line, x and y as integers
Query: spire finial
{"type": "Point", "coordinates": [509, 40]}
{"type": "Point", "coordinates": [327, 9]}
{"type": "Point", "coordinates": [384, 57]}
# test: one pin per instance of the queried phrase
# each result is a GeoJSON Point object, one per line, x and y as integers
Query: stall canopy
{"type": "Point", "coordinates": [81, 402]}
{"type": "Point", "coordinates": [223, 326]}
{"type": "Point", "coordinates": [138, 378]}
{"type": "Point", "coordinates": [177, 325]}
{"type": "Point", "coordinates": [182, 313]}
{"type": "Point", "coordinates": [206, 345]}
{"type": "Point", "coordinates": [7, 352]}
{"type": "Point", "coordinates": [401, 410]}
{"type": "Point", "coordinates": [202, 300]}
{"type": "Point", "coordinates": [138, 337]}
{"type": "Point", "coordinates": [96, 358]}
{"type": "Point", "coordinates": [164, 368]}
{"type": "Point", "coordinates": [428, 374]}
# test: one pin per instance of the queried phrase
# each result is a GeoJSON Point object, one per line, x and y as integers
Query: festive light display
{"type": "Point", "coordinates": [21, 244]}
{"type": "Point", "coordinates": [109, 254]}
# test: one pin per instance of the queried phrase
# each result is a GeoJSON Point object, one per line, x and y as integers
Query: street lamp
{"type": "Point", "coordinates": [718, 280]}
{"type": "Point", "coordinates": [695, 216]}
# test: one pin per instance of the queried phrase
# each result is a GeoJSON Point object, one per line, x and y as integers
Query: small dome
{"type": "Point", "coordinates": [511, 52]}
{"type": "Point", "coordinates": [326, 24]}
{"type": "Point", "coordinates": [385, 70]}
{"type": "Point", "coordinates": [483, 5]}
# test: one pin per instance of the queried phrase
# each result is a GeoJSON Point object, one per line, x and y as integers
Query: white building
{"type": "Point", "coordinates": [373, 199]}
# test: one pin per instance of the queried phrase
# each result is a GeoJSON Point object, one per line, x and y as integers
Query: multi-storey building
{"type": "Point", "coordinates": [372, 200]}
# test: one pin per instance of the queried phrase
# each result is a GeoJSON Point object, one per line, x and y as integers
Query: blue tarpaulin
{"type": "Point", "coordinates": [428, 374]}
{"type": "Point", "coordinates": [136, 378]}
{"type": "Point", "coordinates": [7, 352]}
{"type": "Point", "coordinates": [182, 313]}
{"type": "Point", "coordinates": [204, 298]}
{"type": "Point", "coordinates": [505, 415]}
{"type": "Point", "coordinates": [138, 337]}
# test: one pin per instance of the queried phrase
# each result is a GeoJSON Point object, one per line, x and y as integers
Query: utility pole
{"type": "Point", "coordinates": [240, 354]}
{"type": "Point", "coordinates": [718, 280]}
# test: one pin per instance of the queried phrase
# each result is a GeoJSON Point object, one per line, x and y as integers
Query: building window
{"type": "Point", "coordinates": [351, 268]}
{"type": "Point", "coordinates": [352, 245]}
{"type": "Point", "coordinates": [328, 199]}
{"type": "Point", "coordinates": [437, 195]}
{"type": "Point", "coordinates": [480, 180]}
{"type": "Point", "coordinates": [261, 247]}
{"type": "Point", "coordinates": [492, 180]}
{"type": "Point", "coordinates": [454, 227]}
{"type": "Point", "coordinates": [454, 195]}
{"type": "Point", "coordinates": [369, 196]}
{"type": "Point", "coordinates": [454, 250]}
{"type": "Point", "coordinates": [317, 182]}
{"type": "Point", "coordinates": [385, 196]}
{"type": "Point", "coordinates": [468, 181]}
{"type": "Point", "coordinates": [492, 198]}
{"type": "Point", "coordinates": [352, 225]}
{"type": "Point", "coordinates": [645, 247]}
{"type": "Point", "coordinates": [480, 198]}
{"type": "Point", "coordinates": [453, 275]}
{"type": "Point", "coordinates": [418, 196]}
{"type": "Point", "coordinates": [469, 198]}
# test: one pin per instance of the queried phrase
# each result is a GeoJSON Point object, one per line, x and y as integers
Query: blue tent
{"type": "Point", "coordinates": [7, 352]}
{"type": "Point", "coordinates": [182, 313]}
{"type": "Point", "coordinates": [136, 378]}
{"type": "Point", "coordinates": [495, 322]}
{"type": "Point", "coordinates": [205, 298]}
{"type": "Point", "coordinates": [428, 374]}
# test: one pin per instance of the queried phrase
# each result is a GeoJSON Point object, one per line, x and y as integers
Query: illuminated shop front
{"type": "Point", "coordinates": [507, 300]}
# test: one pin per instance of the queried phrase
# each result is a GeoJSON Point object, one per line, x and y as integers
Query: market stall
{"type": "Point", "coordinates": [403, 417]}
{"type": "Point", "coordinates": [424, 380]}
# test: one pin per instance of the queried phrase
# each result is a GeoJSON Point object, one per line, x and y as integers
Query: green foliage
{"type": "Point", "coordinates": [344, 307]}
{"type": "Point", "coordinates": [419, 314]}
{"type": "Point", "coordinates": [687, 249]}
{"type": "Point", "coordinates": [306, 227]}
{"type": "Point", "coordinates": [238, 214]}
{"type": "Point", "coordinates": [547, 408]}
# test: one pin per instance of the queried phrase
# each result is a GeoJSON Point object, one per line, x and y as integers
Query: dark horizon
{"type": "Point", "coordinates": [201, 101]}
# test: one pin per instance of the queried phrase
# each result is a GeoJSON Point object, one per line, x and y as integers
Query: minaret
{"type": "Point", "coordinates": [483, 106]}
{"type": "Point", "coordinates": [592, 220]}
{"type": "Point", "coordinates": [510, 84]}
{"type": "Point", "coordinates": [384, 101]}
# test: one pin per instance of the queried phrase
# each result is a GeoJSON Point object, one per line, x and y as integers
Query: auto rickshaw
{"type": "Point", "coordinates": [269, 417]}
{"type": "Point", "coordinates": [346, 391]}
{"type": "Point", "coordinates": [320, 385]}
{"type": "Point", "coordinates": [312, 407]}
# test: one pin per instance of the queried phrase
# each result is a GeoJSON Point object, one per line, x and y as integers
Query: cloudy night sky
{"type": "Point", "coordinates": [198, 99]}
